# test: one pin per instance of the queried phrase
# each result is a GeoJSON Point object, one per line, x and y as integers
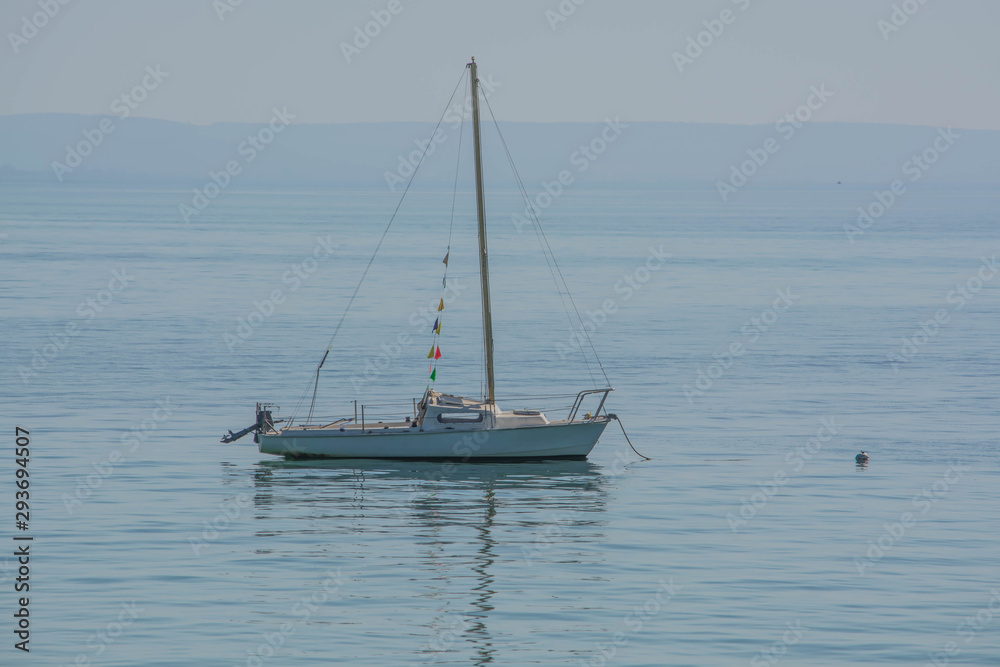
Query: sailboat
{"type": "Point", "coordinates": [446, 426]}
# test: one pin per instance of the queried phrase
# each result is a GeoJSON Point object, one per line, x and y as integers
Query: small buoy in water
{"type": "Point", "coordinates": [861, 458]}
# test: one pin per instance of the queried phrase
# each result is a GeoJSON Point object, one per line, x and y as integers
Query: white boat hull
{"type": "Point", "coordinates": [553, 440]}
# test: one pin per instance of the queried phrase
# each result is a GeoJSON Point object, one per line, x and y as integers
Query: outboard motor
{"type": "Point", "coordinates": [265, 421]}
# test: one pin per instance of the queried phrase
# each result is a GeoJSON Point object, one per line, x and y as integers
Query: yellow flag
{"type": "Point", "coordinates": [439, 327]}
{"type": "Point", "coordinates": [430, 355]}
{"type": "Point", "coordinates": [441, 305]}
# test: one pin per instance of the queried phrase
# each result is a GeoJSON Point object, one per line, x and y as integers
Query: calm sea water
{"type": "Point", "coordinates": [751, 537]}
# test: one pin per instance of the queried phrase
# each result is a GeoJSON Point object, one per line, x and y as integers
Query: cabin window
{"type": "Point", "coordinates": [460, 417]}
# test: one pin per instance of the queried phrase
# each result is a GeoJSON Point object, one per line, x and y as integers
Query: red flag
{"type": "Point", "coordinates": [437, 355]}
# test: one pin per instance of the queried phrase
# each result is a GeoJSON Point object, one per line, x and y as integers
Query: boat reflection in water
{"type": "Point", "coordinates": [428, 539]}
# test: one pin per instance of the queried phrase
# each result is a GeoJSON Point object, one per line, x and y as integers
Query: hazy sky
{"type": "Point", "coordinates": [940, 67]}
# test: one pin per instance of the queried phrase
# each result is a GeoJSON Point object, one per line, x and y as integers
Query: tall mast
{"type": "Point", "coordinates": [484, 264]}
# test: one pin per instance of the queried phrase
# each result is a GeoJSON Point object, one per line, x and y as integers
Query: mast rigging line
{"type": "Point", "coordinates": [546, 247]}
{"type": "Point", "coordinates": [436, 337]}
{"type": "Point", "coordinates": [364, 274]}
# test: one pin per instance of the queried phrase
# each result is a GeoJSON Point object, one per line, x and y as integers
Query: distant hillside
{"type": "Point", "coordinates": [369, 154]}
